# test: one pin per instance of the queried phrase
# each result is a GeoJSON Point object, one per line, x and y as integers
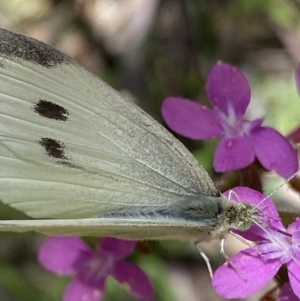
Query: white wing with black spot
{"type": "Point", "coordinates": [71, 147]}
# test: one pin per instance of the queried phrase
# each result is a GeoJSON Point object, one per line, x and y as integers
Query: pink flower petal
{"type": "Point", "coordinates": [228, 284]}
{"type": "Point", "coordinates": [232, 154]}
{"type": "Point", "coordinates": [118, 248]}
{"type": "Point", "coordinates": [274, 250]}
{"type": "Point", "coordinates": [190, 119]}
{"type": "Point", "coordinates": [228, 88]}
{"type": "Point", "coordinates": [80, 291]}
{"type": "Point", "coordinates": [287, 294]}
{"type": "Point", "coordinates": [294, 275]}
{"type": "Point", "coordinates": [274, 151]}
{"type": "Point", "coordinates": [135, 278]}
{"type": "Point", "coordinates": [61, 254]}
{"type": "Point", "coordinates": [295, 226]}
{"type": "Point", "coordinates": [294, 229]}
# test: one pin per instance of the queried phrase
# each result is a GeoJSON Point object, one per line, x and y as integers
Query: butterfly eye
{"type": "Point", "coordinates": [51, 110]}
{"type": "Point", "coordinates": [244, 225]}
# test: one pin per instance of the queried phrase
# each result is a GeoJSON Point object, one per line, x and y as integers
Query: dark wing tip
{"type": "Point", "coordinates": [29, 49]}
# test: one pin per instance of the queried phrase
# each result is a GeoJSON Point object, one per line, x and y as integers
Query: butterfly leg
{"type": "Point", "coordinates": [205, 258]}
{"type": "Point", "coordinates": [222, 251]}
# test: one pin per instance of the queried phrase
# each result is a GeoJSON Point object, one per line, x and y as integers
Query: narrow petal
{"type": "Point", "coordinates": [135, 278]}
{"type": "Point", "coordinates": [190, 119]}
{"type": "Point", "coordinates": [228, 88]}
{"type": "Point", "coordinates": [269, 248]}
{"type": "Point", "coordinates": [274, 151]}
{"type": "Point", "coordinates": [232, 154]}
{"type": "Point", "coordinates": [294, 227]}
{"type": "Point", "coordinates": [118, 248]}
{"type": "Point", "coordinates": [80, 291]}
{"type": "Point", "coordinates": [61, 254]}
{"type": "Point", "coordinates": [256, 273]}
{"type": "Point", "coordinates": [294, 275]}
{"type": "Point", "coordinates": [276, 255]}
{"type": "Point", "coordinates": [287, 294]}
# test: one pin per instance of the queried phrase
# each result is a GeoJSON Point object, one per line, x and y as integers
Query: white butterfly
{"type": "Point", "coordinates": [80, 159]}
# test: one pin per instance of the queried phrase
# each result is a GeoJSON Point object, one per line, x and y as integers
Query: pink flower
{"type": "Point", "coordinates": [243, 140]}
{"type": "Point", "coordinates": [260, 264]}
{"type": "Point", "coordinates": [69, 255]}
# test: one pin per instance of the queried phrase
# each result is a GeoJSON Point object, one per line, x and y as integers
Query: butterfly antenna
{"type": "Point", "coordinates": [276, 189]}
{"type": "Point", "coordinates": [283, 183]}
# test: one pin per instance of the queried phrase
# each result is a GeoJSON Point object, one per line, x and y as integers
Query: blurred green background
{"type": "Point", "coordinates": [150, 50]}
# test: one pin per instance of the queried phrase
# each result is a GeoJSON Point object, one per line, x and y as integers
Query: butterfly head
{"type": "Point", "coordinates": [240, 216]}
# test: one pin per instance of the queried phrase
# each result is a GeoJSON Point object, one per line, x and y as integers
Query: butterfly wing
{"type": "Point", "coordinates": [71, 147]}
{"type": "Point", "coordinates": [136, 229]}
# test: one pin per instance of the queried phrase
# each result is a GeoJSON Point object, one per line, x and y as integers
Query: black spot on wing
{"type": "Point", "coordinates": [19, 46]}
{"type": "Point", "coordinates": [51, 110]}
{"type": "Point", "coordinates": [56, 149]}
{"type": "Point", "coordinates": [53, 148]}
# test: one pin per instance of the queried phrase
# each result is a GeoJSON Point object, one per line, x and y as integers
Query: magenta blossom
{"type": "Point", "coordinates": [258, 265]}
{"type": "Point", "coordinates": [70, 255]}
{"type": "Point", "coordinates": [229, 94]}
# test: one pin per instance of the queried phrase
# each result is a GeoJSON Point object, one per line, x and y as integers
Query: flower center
{"type": "Point", "coordinates": [97, 267]}
{"type": "Point", "coordinates": [235, 126]}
